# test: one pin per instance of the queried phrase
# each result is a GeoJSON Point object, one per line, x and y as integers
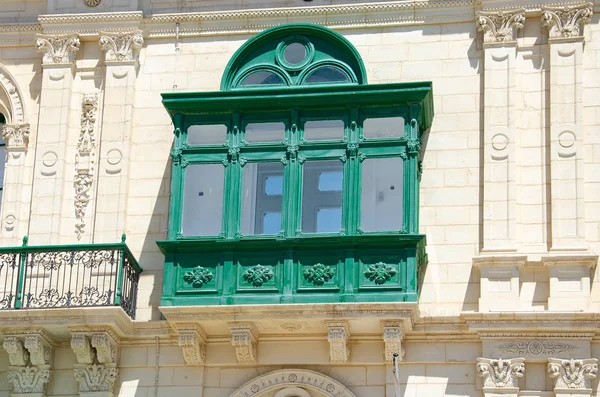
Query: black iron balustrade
{"type": "Point", "coordinates": [59, 276]}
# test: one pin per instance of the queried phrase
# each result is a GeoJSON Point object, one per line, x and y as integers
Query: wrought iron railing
{"type": "Point", "coordinates": [58, 276]}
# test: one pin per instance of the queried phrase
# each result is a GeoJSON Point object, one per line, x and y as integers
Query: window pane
{"type": "Point", "coordinates": [203, 199]}
{"type": "Point", "coordinates": [327, 74]}
{"type": "Point", "coordinates": [381, 198]}
{"type": "Point", "coordinates": [294, 53]}
{"type": "Point", "coordinates": [262, 188]}
{"type": "Point", "coordinates": [206, 134]}
{"type": "Point", "coordinates": [265, 132]}
{"type": "Point", "coordinates": [2, 162]}
{"type": "Point", "coordinates": [261, 78]}
{"type": "Point", "coordinates": [322, 196]}
{"type": "Point", "coordinates": [323, 129]}
{"type": "Point", "coordinates": [384, 127]}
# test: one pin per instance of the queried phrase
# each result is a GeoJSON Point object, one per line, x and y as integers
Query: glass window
{"type": "Point", "coordinates": [294, 53]}
{"type": "Point", "coordinates": [262, 78]}
{"type": "Point", "coordinates": [383, 127]}
{"type": "Point", "coordinates": [381, 197]}
{"type": "Point", "coordinates": [323, 129]}
{"type": "Point", "coordinates": [213, 134]}
{"type": "Point", "coordinates": [2, 156]}
{"type": "Point", "coordinates": [322, 196]}
{"type": "Point", "coordinates": [262, 195]}
{"type": "Point", "coordinates": [203, 199]}
{"type": "Point", "coordinates": [265, 132]}
{"type": "Point", "coordinates": [327, 74]}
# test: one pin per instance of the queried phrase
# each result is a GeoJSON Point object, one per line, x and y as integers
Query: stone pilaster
{"type": "Point", "coordinates": [244, 338]}
{"type": "Point", "coordinates": [49, 187]}
{"type": "Point", "coordinates": [30, 356]}
{"type": "Point", "coordinates": [500, 47]}
{"type": "Point", "coordinates": [565, 27]}
{"type": "Point", "coordinates": [572, 377]}
{"type": "Point", "coordinates": [500, 377]}
{"type": "Point", "coordinates": [338, 333]}
{"type": "Point", "coordinates": [121, 59]}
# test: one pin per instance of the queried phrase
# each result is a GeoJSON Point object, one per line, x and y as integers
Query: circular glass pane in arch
{"type": "Point", "coordinates": [261, 78]}
{"type": "Point", "coordinates": [294, 53]}
{"type": "Point", "coordinates": [327, 74]}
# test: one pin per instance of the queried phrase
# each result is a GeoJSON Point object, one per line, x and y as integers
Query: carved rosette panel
{"type": "Point", "coordinates": [244, 339]}
{"type": "Point", "coordinates": [393, 334]}
{"type": "Point", "coordinates": [58, 49]}
{"type": "Point", "coordinates": [29, 379]}
{"type": "Point", "coordinates": [568, 21]}
{"type": "Point", "coordinates": [572, 374]}
{"type": "Point", "coordinates": [16, 136]}
{"type": "Point", "coordinates": [500, 373]}
{"type": "Point", "coordinates": [500, 27]}
{"type": "Point", "coordinates": [338, 333]}
{"type": "Point", "coordinates": [84, 160]}
{"type": "Point", "coordinates": [96, 377]}
{"type": "Point", "coordinates": [123, 46]}
{"type": "Point", "coordinates": [193, 345]}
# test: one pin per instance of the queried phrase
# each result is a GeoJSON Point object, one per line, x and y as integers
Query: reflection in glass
{"type": "Point", "coordinates": [213, 134]}
{"type": "Point", "coordinates": [322, 196]}
{"type": "Point", "coordinates": [383, 127]}
{"type": "Point", "coordinates": [294, 53]}
{"type": "Point", "coordinates": [327, 74]}
{"type": "Point", "coordinates": [265, 132]}
{"type": "Point", "coordinates": [262, 189]}
{"type": "Point", "coordinates": [381, 196]}
{"type": "Point", "coordinates": [203, 199]}
{"type": "Point", "coordinates": [323, 129]}
{"type": "Point", "coordinates": [261, 78]}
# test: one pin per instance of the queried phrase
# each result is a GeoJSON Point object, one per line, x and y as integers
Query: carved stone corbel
{"type": "Point", "coordinates": [17, 354]}
{"type": "Point", "coordinates": [192, 341]}
{"type": "Point", "coordinates": [572, 374]}
{"type": "Point", "coordinates": [40, 349]}
{"type": "Point", "coordinates": [568, 21]}
{"type": "Point", "coordinates": [58, 49]}
{"type": "Point", "coordinates": [500, 27]}
{"type": "Point", "coordinates": [16, 136]}
{"type": "Point", "coordinates": [122, 46]}
{"type": "Point", "coordinates": [97, 354]}
{"type": "Point", "coordinates": [393, 334]}
{"type": "Point", "coordinates": [500, 374]}
{"type": "Point", "coordinates": [81, 346]}
{"type": "Point", "coordinates": [244, 338]}
{"type": "Point", "coordinates": [338, 333]}
{"type": "Point", "coordinates": [107, 347]}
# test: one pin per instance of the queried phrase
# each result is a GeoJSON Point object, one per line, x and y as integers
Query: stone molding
{"type": "Point", "coordinates": [338, 333]}
{"type": "Point", "coordinates": [29, 379]}
{"type": "Point", "coordinates": [501, 26]}
{"type": "Point", "coordinates": [15, 96]}
{"type": "Point", "coordinates": [393, 335]}
{"type": "Point", "coordinates": [192, 341]}
{"type": "Point", "coordinates": [121, 47]}
{"type": "Point", "coordinates": [244, 338]}
{"type": "Point", "coordinates": [499, 373]}
{"type": "Point", "coordinates": [96, 377]}
{"type": "Point", "coordinates": [305, 379]}
{"type": "Point", "coordinates": [58, 49]}
{"type": "Point", "coordinates": [572, 374]}
{"type": "Point", "coordinates": [567, 22]}
{"type": "Point", "coordinates": [16, 136]}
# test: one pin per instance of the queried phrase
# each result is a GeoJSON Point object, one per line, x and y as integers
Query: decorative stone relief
{"type": "Point", "coordinates": [15, 96]}
{"type": "Point", "coordinates": [318, 274]}
{"type": "Point", "coordinates": [393, 334]}
{"type": "Point", "coordinates": [40, 350]}
{"type": "Point", "coordinates": [96, 353]}
{"type": "Point", "coordinates": [380, 273]}
{"type": "Point", "coordinates": [500, 373]}
{"type": "Point", "coordinates": [17, 355]}
{"type": "Point", "coordinates": [572, 374]}
{"type": "Point", "coordinates": [258, 275]}
{"type": "Point", "coordinates": [82, 348]}
{"type": "Point", "coordinates": [535, 348]}
{"type": "Point", "coordinates": [500, 27]}
{"type": "Point", "coordinates": [29, 379]}
{"type": "Point", "coordinates": [92, 3]}
{"type": "Point", "coordinates": [106, 347]}
{"type": "Point", "coordinates": [338, 334]}
{"type": "Point", "coordinates": [122, 46]}
{"type": "Point", "coordinates": [84, 160]}
{"type": "Point", "coordinates": [95, 377]}
{"type": "Point", "coordinates": [30, 355]}
{"type": "Point", "coordinates": [568, 21]}
{"type": "Point", "coordinates": [193, 344]}
{"type": "Point", "coordinates": [244, 339]}
{"type": "Point", "coordinates": [58, 49]}
{"type": "Point", "coordinates": [198, 277]}
{"type": "Point", "coordinates": [16, 136]}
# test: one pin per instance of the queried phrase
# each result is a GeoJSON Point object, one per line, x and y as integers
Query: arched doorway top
{"type": "Point", "coordinates": [290, 379]}
{"type": "Point", "coordinates": [10, 90]}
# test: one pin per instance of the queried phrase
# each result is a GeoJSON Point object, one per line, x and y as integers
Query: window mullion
{"type": "Point", "coordinates": [233, 182]}
{"type": "Point", "coordinates": [176, 206]}
{"type": "Point", "coordinates": [351, 188]}
{"type": "Point", "coordinates": [292, 180]}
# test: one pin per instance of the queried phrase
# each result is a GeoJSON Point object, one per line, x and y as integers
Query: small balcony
{"type": "Point", "coordinates": [68, 276]}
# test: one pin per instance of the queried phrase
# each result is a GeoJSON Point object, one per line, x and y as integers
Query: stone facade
{"type": "Point", "coordinates": [509, 201]}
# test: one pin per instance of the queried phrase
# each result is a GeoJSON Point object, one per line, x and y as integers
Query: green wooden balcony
{"type": "Point", "coordinates": [64, 276]}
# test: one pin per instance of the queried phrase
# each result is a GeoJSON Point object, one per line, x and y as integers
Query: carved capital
{"type": "Point", "coordinates": [338, 333]}
{"type": "Point", "coordinates": [244, 338]}
{"type": "Point", "coordinates": [29, 379]}
{"type": "Point", "coordinates": [572, 374]}
{"type": "Point", "coordinates": [40, 349]}
{"type": "Point", "coordinates": [393, 334]}
{"type": "Point", "coordinates": [96, 377]}
{"type": "Point", "coordinates": [82, 348]}
{"type": "Point", "coordinates": [568, 21]}
{"type": "Point", "coordinates": [500, 27]}
{"type": "Point", "coordinates": [58, 49]}
{"type": "Point", "coordinates": [17, 354]}
{"type": "Point", "coordinates": [16, 136]}
{"type": "Point", "coordinates": [500, 373]}
{"type": "Point", "coordinates": [193, 344]}
{"type": "Point", "coordinates": [106, 347]}
{"type": "Point", "coordinates": [122, 46]}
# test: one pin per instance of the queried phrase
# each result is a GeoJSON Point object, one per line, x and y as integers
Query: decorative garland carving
{"type": "Point", "coordinates": [393, 334]}
{"type": "Point", "coordinates": [258, 275]}
{"type": "Point", "coordinates": [318, 274]}
{"type": "Point", "coordinates": [16, 136]}
{"type": "Point", "coordinates": [193, 344]}
{"type": "Point", "coordinates": [572, 374]}
{"type": "Point", "coordinates": [535, 348]}
{"type": "Point", "coordinates": [567, 21]}
{"type": "Point", "coordinates": [198, 277]}
{"type": "Point", "coordinates": [58, 49]}
{"type": "Point", "coordinates": [122, 46]}
{"type": "Point", "coordinates": [244, 339]}
{"type": "Point", "coordinates": [84, 160]}
{"type": "Point", "coordinates": [500, 27]}
{"type": "Point", "coordinates": [500, 373]}
{"type": "Point", "coordinates": [338, 333]}
{"type": "Point", "coordinates": [29, 379]}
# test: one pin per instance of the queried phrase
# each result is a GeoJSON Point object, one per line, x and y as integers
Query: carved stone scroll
{"type": "Point", "coordinates": [58, 49]}
{"type": "Point", "coordinates": [83, 349]}
{"type": "Point", "coordinates": [17, 354]}
{"type": "Point", "coordinates": [500, 373]}
{"type": "Point", "coordinates": [193, 345]}
{"type": "Point", "coordinates": [96, 377]}
{"type": "Point", "coordinates": [16, 136]}
{"type": "Point", "coordinates": [244, 339]}
{"type": "Point", "coordinates": [40, 350]}
{"type": "Point", "coordinates": [393, 334]}
{"type": "Point", "coordinates": [572, 374]}
{"type": "Point", "coordinates": [338, 333]}
{"type": "Point", "coordinates": [568, 21]}
{"type": "Point", "coordinates": [122, 46]}
{"type": "Point", "coordinates": [106, 347]}
{"type": "Point", "coordinates": [500, 27]}
{"type": "Point", "coordinates": [29, 379]}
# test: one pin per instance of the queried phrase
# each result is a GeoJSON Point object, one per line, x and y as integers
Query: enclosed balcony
{"type": "Point", "coordinates": [68, 276]}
